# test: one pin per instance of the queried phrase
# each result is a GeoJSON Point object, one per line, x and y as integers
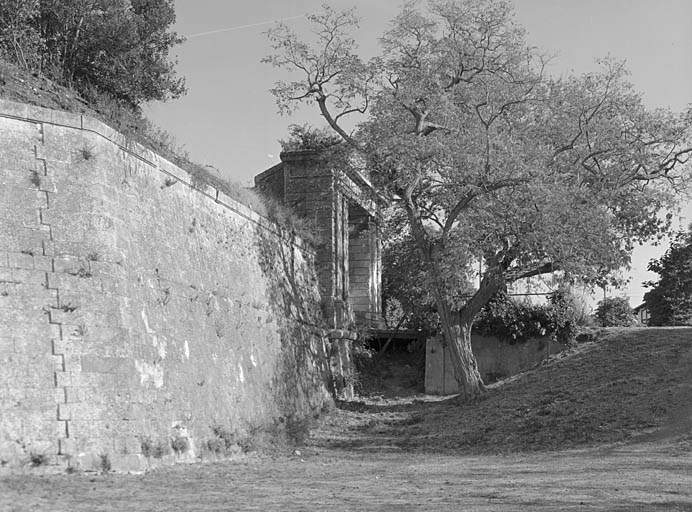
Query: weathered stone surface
{"type": "Point", "coordinates": [131, 311]}
{"type": "Point", "coordinates": [343, 211]}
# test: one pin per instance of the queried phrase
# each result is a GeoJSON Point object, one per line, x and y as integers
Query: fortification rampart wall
{"type": "Point", "coordinates": [140, 318]}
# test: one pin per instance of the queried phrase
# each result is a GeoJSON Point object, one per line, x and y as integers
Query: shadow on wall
{"type": "Point", "coordinates": [295, 302]}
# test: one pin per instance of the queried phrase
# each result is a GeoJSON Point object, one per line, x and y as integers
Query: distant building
{"type": "Point", "coordinates": [641, 313]}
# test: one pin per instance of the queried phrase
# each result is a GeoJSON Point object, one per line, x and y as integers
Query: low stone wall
{"type": "Point", "coordinates": [141, 319]}
{"type": "Point", "coordinates": [496, 360]}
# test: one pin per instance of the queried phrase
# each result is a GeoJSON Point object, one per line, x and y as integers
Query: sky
{"type": "Point", "coordinates": [229, 119]}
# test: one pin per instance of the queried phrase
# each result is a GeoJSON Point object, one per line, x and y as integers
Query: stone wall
{"type": "Point", "coordinates": [496, 359]}
{"type": "Point", "coordinates": [141, 318]}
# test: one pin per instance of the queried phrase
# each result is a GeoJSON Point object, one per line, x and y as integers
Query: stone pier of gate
{"type": "Point", "coordinates": [344, 212]}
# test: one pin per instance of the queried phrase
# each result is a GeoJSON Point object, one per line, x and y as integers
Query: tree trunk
{"type": "Point", "coordinates": [457, 334]}
{"type": "Point", "coordinates": [455, 329]}
{"type": "Point", "coordinates": [458, 339]}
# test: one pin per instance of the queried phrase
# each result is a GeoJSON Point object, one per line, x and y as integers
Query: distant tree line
{"type": "Point", "coordinates": [118, 48]}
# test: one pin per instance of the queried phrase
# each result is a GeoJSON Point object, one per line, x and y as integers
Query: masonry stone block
{"type": "Point", "coordinates": [74, 394]}
{"type": "Point", "coordinates": [44, 263]}
{"type": "Point", "coordinates": [97, 364]}
{"type": "Point", "coordinates": [6, 344]}
{"type": "Point", "coordinates": [67, 264]}
{"type": "Point", "coordinates": [25, 218]}
{"type": "Point", "coordinates": [26, 326]}
{"type": "Point", "coordinates": [20, 138]}
{"type": "Point", "coordinates": [62, 118]}
{"type": "Point", "coordinates": [63, 379]}
{"type": "Point", "coordinates": [30, 277]}
{"type": "Point", "coordinates": [14, 109]}
{"type": "Point", "coordinates": [48, 184]}
{"type": "Point", "coordinates": [63, 346]}
{"type": "Point", "coordinates": [59, 395]}
{"type": "Point", "coordinates": [65, 412]}
{"type": "Point", "coordinates": [129, 463]}
{"type": "Point", "coordinates": [21, 238]}
{"type": "Point", "coordinates": [72, 362]}
{"type": "Point", "coordinates": [67, 446]}
{"type": "Point", "coordinates": [58, 363]}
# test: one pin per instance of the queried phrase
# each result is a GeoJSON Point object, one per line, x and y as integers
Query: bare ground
{"type": "Point", "coordinates": [621, 406]}
{"type": "Point", "coordinates": [646, 477]}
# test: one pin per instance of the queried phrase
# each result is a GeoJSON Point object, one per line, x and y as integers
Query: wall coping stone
{"type": "Point", "coordinates": [302, 155]}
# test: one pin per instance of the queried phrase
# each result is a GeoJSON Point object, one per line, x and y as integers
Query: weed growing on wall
{"type": "Point", "coordinates": [104, 463]}
{"type": "Point", "coordinates": [153, 449]}
{"type": "Point", "coordinates": [35, 178]}
{"type": "Point", "coordinates": [38, 459]}
{"type": "Point", "coordinates": [81, 272]}
{"type": "Point", "coordinates": [87, 153]}
{"type": "Point", "coordinates": [227, 442]}
{"type": "Point", "coordinates": [180, 445]}
{"type": "Point", "coordinates": [169, 182]}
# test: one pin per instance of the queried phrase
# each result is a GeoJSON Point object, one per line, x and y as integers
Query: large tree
{"type": "Point", "coordinates": [670, 299]}
{"type": "Point", "coordinates": [486, 156]}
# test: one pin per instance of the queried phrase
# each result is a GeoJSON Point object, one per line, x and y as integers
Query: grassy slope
{"type": "Point", "coordinates": [631, 382]}
{"type": "Point", "coordinates": [34, 89]}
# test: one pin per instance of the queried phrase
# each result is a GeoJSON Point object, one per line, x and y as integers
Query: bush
{"type": "Point", "coordinates": [304, 137]}
{"type": "Point", "coordinates": [614, 312]}
{"type": "Point", "coordinates": [512, 321]}
{"type": "Point", "coordinates": [517, 322]}
{"type": "Point", "coordinates": [566, 314]}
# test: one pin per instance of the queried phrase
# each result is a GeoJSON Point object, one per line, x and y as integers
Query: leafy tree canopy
{"type": "Point", "coordinates": [115, 47]}
{"type": "Point", "coordinates": [670, 299]}
{"type": "Point", "coordinates": [486, 156]}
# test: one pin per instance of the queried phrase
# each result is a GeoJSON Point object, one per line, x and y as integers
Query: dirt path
{"type": "Point", "coordinates": [644, 477]}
